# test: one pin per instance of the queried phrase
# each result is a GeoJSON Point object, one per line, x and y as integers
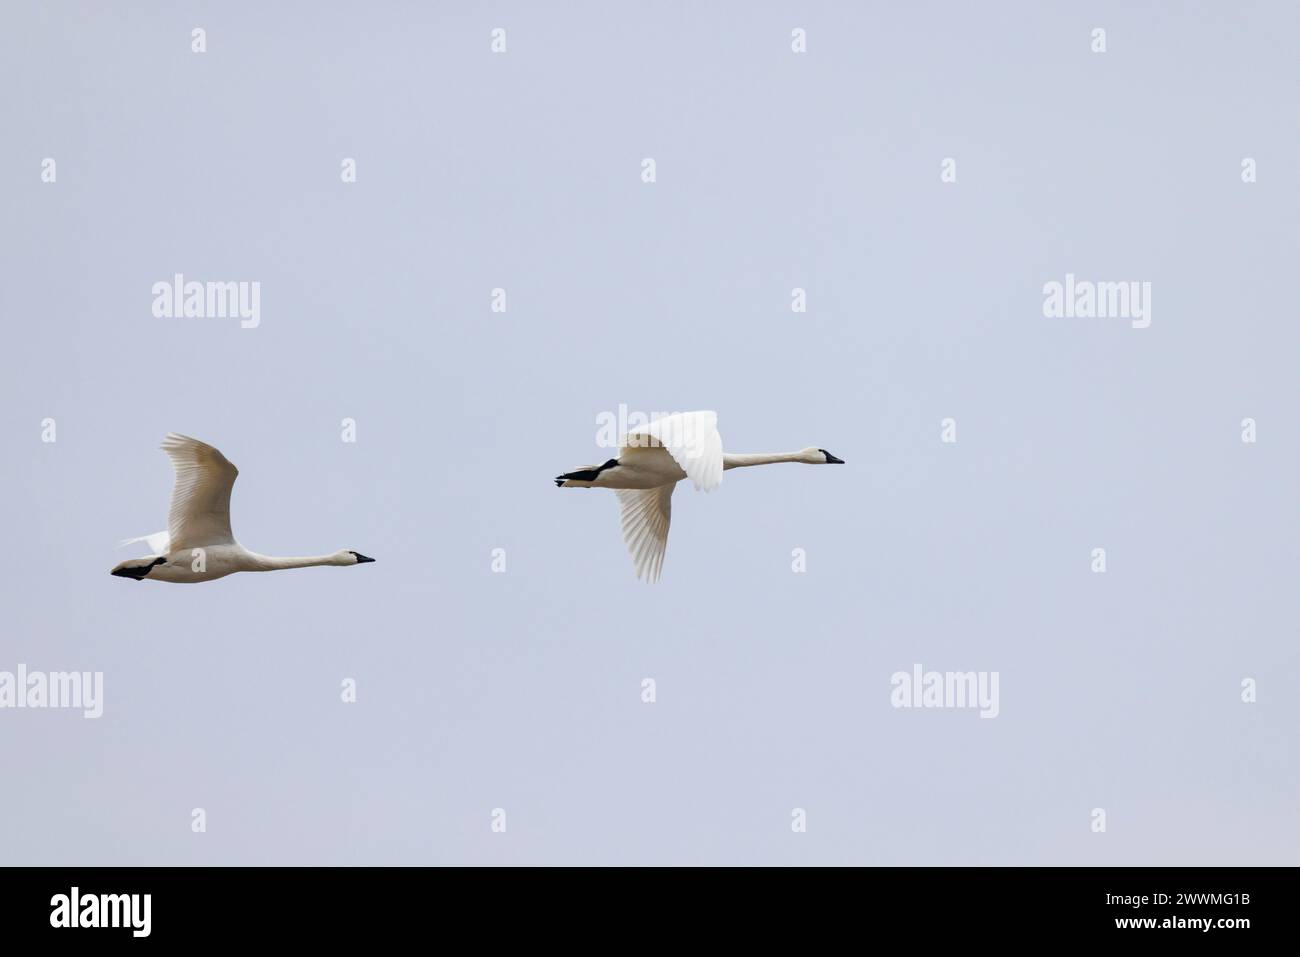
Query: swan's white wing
{"type": "Point", "coordinates": [200, 509]}
{"type": "Point", "coordinates": [159, 542]}
{"type": "Point", "coordinates": [645, 513]}
{"type": "Point", "coordinates": [692, 439]}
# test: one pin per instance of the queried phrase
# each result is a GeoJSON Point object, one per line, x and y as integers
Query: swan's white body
{"type": "Point", "coordinates": [198, 545]}
{"type": "Point", "coordinates": [652, 460]}
{"type": "Point", "coordinates": [208, 563]}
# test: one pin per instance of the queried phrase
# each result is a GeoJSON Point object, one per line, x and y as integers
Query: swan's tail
{"type": "Point", "coordinates": [159, 542]}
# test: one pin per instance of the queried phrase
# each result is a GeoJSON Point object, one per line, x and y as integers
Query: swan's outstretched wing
{"type": "Point", "coordinates": [200, 510]}
{"type": "Point", "coordinates": [645, 514]}
{"type": "Point", "coordinates": [692, 439]}
{"type": "Point", "coordinates": [159, 542]}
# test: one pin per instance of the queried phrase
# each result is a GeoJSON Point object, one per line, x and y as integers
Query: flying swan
{"type": "Point", "coordinates": [651, 461]}
{"type": "Point", "coordinates": [198, 545]}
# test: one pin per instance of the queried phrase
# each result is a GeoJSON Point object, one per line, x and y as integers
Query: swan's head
{"type": "Point", "coordinates": [348, 557]}
{"type": "Point", "coordinates": [820, 457]}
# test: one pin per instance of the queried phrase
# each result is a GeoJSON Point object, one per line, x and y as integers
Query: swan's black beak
{"type": "Point", "coordinates": [830, 459]}
{"type": "Point", "coordinates": [362, 559]}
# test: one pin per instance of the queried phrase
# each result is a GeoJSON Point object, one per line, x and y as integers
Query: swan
{"type": "Point", "coordinates": [651, 461]}
{"type": "Point", "coordinates": [198, 545]}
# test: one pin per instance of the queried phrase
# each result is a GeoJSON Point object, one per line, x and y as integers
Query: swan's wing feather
{"type": "Point", "coordinates": [159, 542]}
{"type": "Point", "coordinates": [200, 509]}
{"type": "Point", "coordinates": [645, 514]}
{"type": "Point", "coordinates": [692, 439]}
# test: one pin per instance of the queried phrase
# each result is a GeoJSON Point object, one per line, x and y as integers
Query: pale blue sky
{"type": "Point", "coordinates": [775, 170]}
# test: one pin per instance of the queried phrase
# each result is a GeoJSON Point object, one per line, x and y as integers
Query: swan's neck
{"type": "Point", "coordinates": [760, 458]}
{"type": "Point", "coordinates": [270, 563]}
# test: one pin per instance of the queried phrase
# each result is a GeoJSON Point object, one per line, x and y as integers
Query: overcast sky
{"type": "Point", "coordinates": [774, 170]}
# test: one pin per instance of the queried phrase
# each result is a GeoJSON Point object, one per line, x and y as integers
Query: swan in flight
{"type": "Point", "coordinates": [651, 461]}
{"type": "Point", "coordinates": [198, 545]}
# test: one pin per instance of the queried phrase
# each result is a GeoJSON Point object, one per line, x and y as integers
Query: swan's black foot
{"type": "Point", "coordinates": [137, 572]}
{"type": "Point", "coordinates": [585, 475]}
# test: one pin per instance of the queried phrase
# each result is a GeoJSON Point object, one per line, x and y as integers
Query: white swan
{"type": "Point", "coordinates": [652, 460]}
{"type": "Point", "coordinates": [198, 545]}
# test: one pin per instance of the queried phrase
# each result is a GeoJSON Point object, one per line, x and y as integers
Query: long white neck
{"type": "Point", "coordinates": [270, 563]}
{"type": "Point", "coordinates": [740, 461]}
